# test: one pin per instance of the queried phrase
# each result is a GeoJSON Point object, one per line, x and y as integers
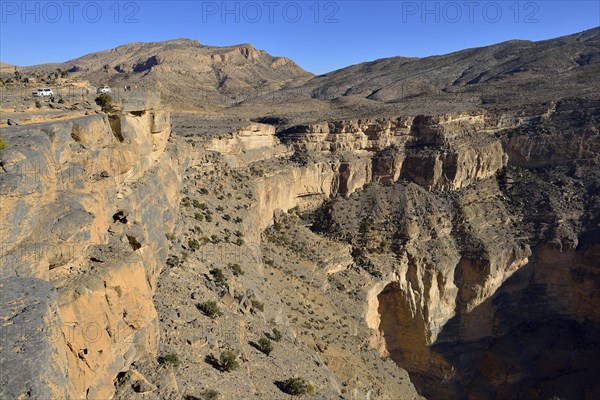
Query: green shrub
{"type": "Point", "coordinates": [210, 309]}
{"type": "Point", "coordinates": [204, 191]}
{"type": "Point", "coordinates": [236, 268]}
{"type": "Point", "coordinates": [170, 236]}
{"type": "Point", "coordinates": [199, 216]}
{"type": "Point", "coordinates": [294, 386]}
{"type": "Point", "coordinates": [264, 345]}
{"type": "Point", "coordinates": [197, 204]}
{"type": "Point", "coordinates": [228, 361]}
{"type": "Point", "coordinates": [276, 335]}
{"type": "Point", "coordinates": [239, 241]}
{"type": "Point", "coordinates": [105, 102]}
{"type": "Point", "coordinates": [2, 144]}
{"type": "Point", "coordinates": [227, 217]}
{"type": "Point", "coordinates": [218, 276]}
{"type": "Point", "coordinates": [172, 359]}
{"type": "Point", "coordinates": [193, 244]}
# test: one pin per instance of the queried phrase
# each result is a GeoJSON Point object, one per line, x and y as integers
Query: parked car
{"type": "Point", "coordinates": [43, 92]}
{"type": "Point", "coordinates": [103, 89]}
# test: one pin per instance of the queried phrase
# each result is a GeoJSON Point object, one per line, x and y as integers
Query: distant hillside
{"type": "Point", "coordinates": [507, 74]}
{"type": "Point", "coordinates": [187, 73]}
{"type": "Point", "coordinates": [6, 68]}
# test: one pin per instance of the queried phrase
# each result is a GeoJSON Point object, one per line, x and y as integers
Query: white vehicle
{"type": "Point", "coordinates": [43, 92]}
{"type": "Point", "coordinates": [103, 89]}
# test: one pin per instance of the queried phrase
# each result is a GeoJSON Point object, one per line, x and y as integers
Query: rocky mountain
{"type": "Point", "coordinates": [187, 74]}
{"type": "Point", "coordinates": [336, 240]}
{"type": "Point", "coordinates": [507, 75]}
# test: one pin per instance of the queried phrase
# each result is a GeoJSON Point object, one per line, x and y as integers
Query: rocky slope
{"type": "Point", "coordinates": [507, 75]}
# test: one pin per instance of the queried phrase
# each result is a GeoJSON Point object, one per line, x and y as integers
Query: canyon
{"type": "Point", "coordinates": [401, 252]}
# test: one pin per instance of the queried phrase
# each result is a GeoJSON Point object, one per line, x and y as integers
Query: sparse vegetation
{"type": "Point", "coordinates": [276, 335]}
{"type": "Point", "coordinates": [236, 268]}
{"type": "Point", "coordinates": [210, 309]}
{"type": "Point", "coordinates": [2, 144]}
{"type": "Point", "coordinates": [193, 244]}
{"type": "Point", "coordinates": [170, 236]}
{"type": "Point", "coordinates": [264, 345]}
{"type": "Point", "coordinates": [218, 276]}
{"type": "Point", "coordinates": [105, 102]}
{"type": "Point", "coordinates": [228, 361]}
{"type": "Point", "coordinates": [295, 386]}
{"type": "Point", "coordinates": [172, 359]}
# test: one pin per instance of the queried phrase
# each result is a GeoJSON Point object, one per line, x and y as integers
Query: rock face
{"type": "Point", "coordinates": [459, 239]}
{"type": "Point", "coordinates": [459, 249]}
{"type": "Point", "coordinates": [85, 206]}
{"type": "Point", "coordinates": [34, 358]}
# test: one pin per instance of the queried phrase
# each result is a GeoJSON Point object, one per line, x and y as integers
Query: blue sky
{"type": "Point", "coordinates": [319, 35]}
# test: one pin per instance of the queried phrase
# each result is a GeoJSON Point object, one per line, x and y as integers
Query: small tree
{"type": "Point", "coordinates": [236, 268]}
{"type": "Point", "coordinates": [295, 386]}
{"type": "Point", "coordinates": [105, 102]}
{"type": "Point", "coordinates": [228, 361]}
{"type": "Point", "coordinates": [218, 276]}
{"type": "Point", "coordinates": [193, 244]}
{"type": "Point", "coordinates": [210, 309]}
{"type": "Point", "coordinates": [172, 359]}
{"type": "Point", "coordinates": [264, 345]}
{"type": "Point", "coordinates": [276, 335]}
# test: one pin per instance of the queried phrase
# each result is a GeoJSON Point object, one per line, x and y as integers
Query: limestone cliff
{"type": "Point", "coordinates": [85, 206]}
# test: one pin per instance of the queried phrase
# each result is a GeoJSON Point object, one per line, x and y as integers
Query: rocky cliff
{"type": "Point", "coordinates": [85, 206]}
{"type": "Point", "coordinates": [466, 259]}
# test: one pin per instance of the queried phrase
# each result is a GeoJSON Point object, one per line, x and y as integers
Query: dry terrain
{"type": "Point", "coordinates": [399, 229]}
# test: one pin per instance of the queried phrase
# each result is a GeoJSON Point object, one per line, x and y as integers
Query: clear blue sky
{"type": "Point", "coordinates": [339, 34]}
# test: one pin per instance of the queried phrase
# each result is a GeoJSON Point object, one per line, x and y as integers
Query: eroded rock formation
{"type": "Point", "coordinates": [85, 206]}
